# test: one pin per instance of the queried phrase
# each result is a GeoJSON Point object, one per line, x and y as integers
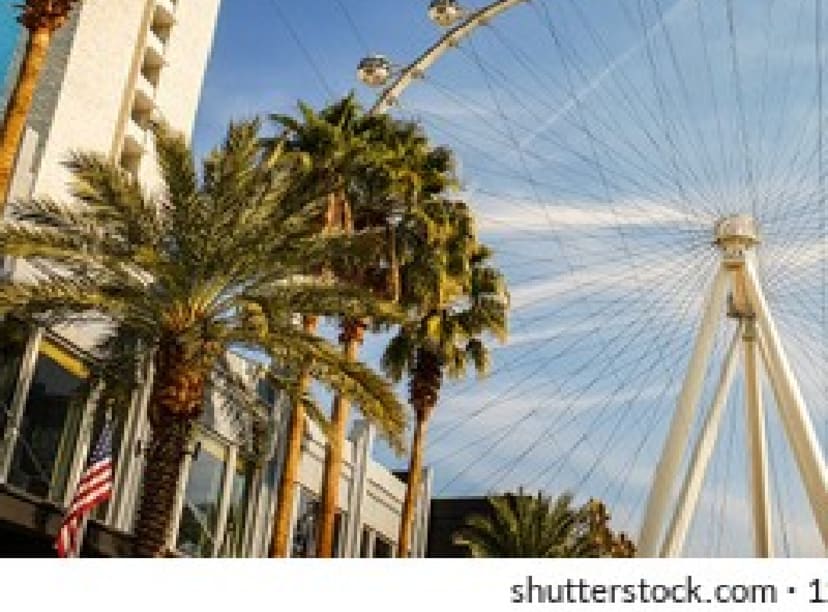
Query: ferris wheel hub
{"type": "Point", "coordinates": [739, 231]}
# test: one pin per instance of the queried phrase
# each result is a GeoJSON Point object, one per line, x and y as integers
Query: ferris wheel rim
{"type": "Point", "coordinates": [450, 39]}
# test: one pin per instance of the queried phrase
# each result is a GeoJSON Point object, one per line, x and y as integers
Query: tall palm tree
{"type": "Point", "coordinates": [455, 300]}
{"type": "Point", "coordinates": [519, 525]}
{"type": "Point", "coordinates": [379, 165]}
{"type": "Point", "coordinates": [330, 142]}
{"type": "Point", "coordinates": [216, 259]}
{"type": "Point", "coordinates": [42, 18]}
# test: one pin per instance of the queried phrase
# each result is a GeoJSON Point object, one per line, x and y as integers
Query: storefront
{"type": "Point", "coordinates": [227, 489]}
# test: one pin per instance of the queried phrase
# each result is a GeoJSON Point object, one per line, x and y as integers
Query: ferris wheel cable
{"type": "Point", "coordinates": [561, 145]}
{"type": "Point", "coordinates": [764, 87]}
{"type": "Point", "coordinates": [610, 368]}
{"type": "Point", "coordinates": [603, 314]}
{"type": "Point", "coordinates": [624, 414]}
{"type": "Point", "coordinates": [326, 86]}
{"type": "Point", "coordinates": [521, 361]}
{"type": "Point", "coordinates": [511, 135]}
{"type": "Point", "coordinates": [577, 104]}
{"type": "Point", "coordinates": [780, 510]}
{"type": "Point", "coordinates": [818, 27]}
{"type": "Point", "coordinates": [589, 430]}
{"type": "Point", "coordinates": [704, 155]}
{"type": "Point", "coordinates": [560, 416]}
{"type": "Point", "coordinates": [361, 41]}
{"type": "Point", "coordinates": [573, 96]}
{"type": "Point", "coordinates": [620, 303]}
{"type": "Point", "coordinates": [591, 138]}
{"type": "Point", "coordinates": [660, 99]}
{"type": "Point", "coordinates": [625, 102]}
{"type": "Point", "coordinates": [714, 98]}
{"type": "Point", "coordinates": [721, 338]}
{"type": "Point", "coordinates": [532, 154]}
{"type": "Point", "coordinates": [785, 87]}
{"type": "Point", "coordinates": [750, 182]}
{"type": "Point", "coordinates": [789, 175]}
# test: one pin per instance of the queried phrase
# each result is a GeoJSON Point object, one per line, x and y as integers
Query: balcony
{"type": "Point", "coordinates": [164, 12]}
{"type": "Point", "coordinates": [135, 138]}
{"type": "Point", "coordinates": [155, 50]}
{"type": "Point", "coordinates": [144, 94]}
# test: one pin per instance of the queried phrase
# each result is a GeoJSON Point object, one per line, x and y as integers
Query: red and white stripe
{"type": "Point", "coordinates": [94, 488]}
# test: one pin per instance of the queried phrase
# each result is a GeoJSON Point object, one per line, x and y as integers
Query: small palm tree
{"type": "Point", "coordinates": [520, 525]}
{"type": "Point", "coordinates": [42, 18]}
{"type": "Point", "coordinates": [455, 299]}
{"type": "Point", "coordinates": [216, 259]}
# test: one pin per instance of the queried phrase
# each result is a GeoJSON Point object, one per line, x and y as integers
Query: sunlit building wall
{"type": "Point", "coordinates": [111, 69]}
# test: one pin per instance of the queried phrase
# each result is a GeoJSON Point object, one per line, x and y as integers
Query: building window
{"type": "Point", "coordinates": [233, 545]}
{"type": "Point", "coordinates": [365, 543]}
{"type": "Point", "coordinates": [202, 499]}
{"type": "Point", "coordinates": [12, 348]}
{"type": "Point", "coordinates": [383, 549]}
{"type": "Point", "coordinates": [304, 532]}
{"type": "Point", "coordinates": [50, 422]}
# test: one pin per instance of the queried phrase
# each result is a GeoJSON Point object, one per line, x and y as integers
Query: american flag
{"type": "Point", "coordinates": [94, 488]}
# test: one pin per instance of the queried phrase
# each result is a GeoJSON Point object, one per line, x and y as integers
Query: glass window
{"type": "Point", "coordinates": [49, 427]}
{"type": "Point", "coordinates": [202, 498]}
{"type": "Point", "coordinates": [340, 519]}
{"type": "Point", "coordinates": [266, 392]}
{"type": "Point", "coordinates": [383, 549]}
{"type": "Point", "coordinates": [365, 543]}
{"type": "Point", "coordinates": [304, 534]}
{"type": "Point", "coordinates": [12, 347]}
{"type": "Point", "coordinates": [237, 511]}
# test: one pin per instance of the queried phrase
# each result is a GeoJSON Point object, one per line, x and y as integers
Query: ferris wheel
{"type": "Point", "coordinates": [651, 174]}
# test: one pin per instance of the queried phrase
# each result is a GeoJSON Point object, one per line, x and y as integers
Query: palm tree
{"type": "Point", "coordinates": [455, 300]}
{"type": "Point", "coordinates": [215, 259]}
{"type": "Point", "coordinates": [329, 141]}
{"type": "Point", "coordinates": [519, 525]}
{"type": "Point", "coordinates": [42, 18]}
{"type": "Point", "coordinates": [379, 165]}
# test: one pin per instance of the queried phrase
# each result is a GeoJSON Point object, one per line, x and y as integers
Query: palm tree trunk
{"type": "Point", "coordinates": [170, 434]}
{"type": "Point", "coordinates": [293, 455]}
{"type": "Point", "coordinates": [19, 104]}
{"type": "Point", "coordinates": [412, 489]}
{"type": "Point", "coordinates": [176, 402]}
{"type": "Point", "coordinates": [351, 338]}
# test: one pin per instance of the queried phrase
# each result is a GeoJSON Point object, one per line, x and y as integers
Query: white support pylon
{"type": "Point", "coordinates": [757, 445]}
{"type": "Point", "coordinates": [677, 438]}
{"type": "Point", "coordinates": [792, 409]}
{"type": "Point", "coordinates": [703, 451]}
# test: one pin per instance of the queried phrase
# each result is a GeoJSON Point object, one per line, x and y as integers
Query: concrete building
{"type": "Point", "coordinates": [115, 65]}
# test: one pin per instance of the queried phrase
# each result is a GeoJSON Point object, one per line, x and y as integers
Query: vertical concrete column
{"type": "Point", "coordinates": [131, 457]}
{"type": "Point", "coordinates": [363, 437]}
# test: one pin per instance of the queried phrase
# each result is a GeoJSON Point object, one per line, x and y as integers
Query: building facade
{"type": "Point", "coordinates": [112, 68]}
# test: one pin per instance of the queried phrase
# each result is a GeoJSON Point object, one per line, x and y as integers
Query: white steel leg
{"type": "Point", "coordinates": [703, 451]}
{"type": "Point", "coordinates": [677, 438]}
{"type": "Point", "coordinates": [794, 414]}
{"type": "Point", "coordinates": [757, 447]}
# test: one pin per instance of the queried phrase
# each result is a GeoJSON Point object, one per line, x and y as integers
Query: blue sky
{"type": "Point", "coordinates": [9, 31]}
{"type": "Point", "coordinates": [598, 140]}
